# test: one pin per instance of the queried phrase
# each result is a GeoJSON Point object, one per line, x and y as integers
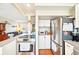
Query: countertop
{"type": "Point", "coordinates": [2, 43]}
{"type": "Point", "coordinates": [73, 43]}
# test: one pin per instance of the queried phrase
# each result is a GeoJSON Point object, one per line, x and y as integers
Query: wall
{"type": "Point", "coordinates": [54, 10]}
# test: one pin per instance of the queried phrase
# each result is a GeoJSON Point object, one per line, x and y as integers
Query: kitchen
{"type": "Point", "coordinates": [57, 21]}
{"type": "Point", "coordinates": [17, 28]}
{"type": "Point", "coordinates": [39, 29]}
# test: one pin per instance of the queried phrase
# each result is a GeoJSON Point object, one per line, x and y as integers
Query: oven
{"type": "Point", "coordinates": [25, 47]}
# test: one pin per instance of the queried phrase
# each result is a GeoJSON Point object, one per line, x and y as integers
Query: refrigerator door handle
{"type": "Point", "coordinates": [56, 43]}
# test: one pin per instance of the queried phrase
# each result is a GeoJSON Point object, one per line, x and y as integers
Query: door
{"type": "Point", "coordinates": [44, 42]}
{"type": "Point", "coordinates": [47, 41]}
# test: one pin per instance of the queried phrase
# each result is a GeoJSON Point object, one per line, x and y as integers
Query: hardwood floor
{"type": "Point", "coordinates": [45, 52]}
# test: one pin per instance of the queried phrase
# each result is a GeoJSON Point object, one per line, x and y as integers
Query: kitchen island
{"type": "Point", "coordinates": [9, 46]}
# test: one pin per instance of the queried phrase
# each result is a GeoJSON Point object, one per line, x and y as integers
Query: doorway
{"type": "Point", "coordinates": [45, 35]}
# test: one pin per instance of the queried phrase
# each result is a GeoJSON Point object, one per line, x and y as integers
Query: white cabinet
{"type": "Point", "coordinates": [68, 49]}
{"type": "Point", "coordinates": [41, 42]}
{"type": "Point", "coordinates": [47, 41]}
{"type": "Point", "coordinates": [10, 48]}
{"type": "Point", "coordinates": [0, 50]}
{"type": "Point", "coordinates": [77, 16]}
{"type": "Point", "coordinates": [44, 41]}
{"type": "Point", "coordinates": [44, 23]}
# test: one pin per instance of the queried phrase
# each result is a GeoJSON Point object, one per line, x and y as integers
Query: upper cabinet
{"type": "Point", "coordinates": [45, 23]}
{"type": "Point", "coordinates": [2, 27]}
{"type": "Point", "coordinates": [77, 16]}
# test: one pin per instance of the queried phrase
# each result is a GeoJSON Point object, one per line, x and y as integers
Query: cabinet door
{"type": "Point", "coordinates": [44, 42]}
{"type": "Point", "coordinates": [41, 42]}
{"type": "Point", "coordinates": [68, 49]}
{"type": "Point", "coordinates": [2, 26]}
{"type": "Point", "coordinates": [47, 42]}
{"type": "Point", "coordinates": [44, 23]}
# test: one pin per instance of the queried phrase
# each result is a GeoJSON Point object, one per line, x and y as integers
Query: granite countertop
{"type": "Point", "coordinates": [73, 43]}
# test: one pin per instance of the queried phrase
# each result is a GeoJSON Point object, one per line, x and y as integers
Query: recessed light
{"type": "Point", "coordinates": [28, 5]}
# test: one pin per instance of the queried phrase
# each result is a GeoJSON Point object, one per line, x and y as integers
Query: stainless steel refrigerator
{"type": "Point", "coordinates": [56, 37]}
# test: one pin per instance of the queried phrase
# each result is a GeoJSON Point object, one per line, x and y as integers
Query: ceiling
{"type": "Point", "coordinates": [8, 11]}
{"type": "Point", "coordinates": [15, 12]}
{"type": "Point", "coordinates": [25, 8]}
{"type": "Point", "coordinates": [19, 11]}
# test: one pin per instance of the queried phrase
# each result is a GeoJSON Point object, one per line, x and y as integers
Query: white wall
{"type": "Point", "coordinates": [54, 10]}
{"type": "Point", "coordinates": [54, 13]}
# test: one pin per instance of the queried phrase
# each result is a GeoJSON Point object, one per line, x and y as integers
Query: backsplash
{"type": "Point", "coordinates": [67, 36]}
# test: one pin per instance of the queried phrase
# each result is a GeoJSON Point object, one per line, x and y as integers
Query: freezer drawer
{"type": "Point", "coordinates": [56, 48]}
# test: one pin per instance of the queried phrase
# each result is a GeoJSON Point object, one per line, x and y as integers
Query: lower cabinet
{"type": "Point", "coordinates": [9, 48]}
{"type": "Point", "coordinates": [68, 49]}
{"type": "Point", "coordinates": [0, 50]}
{"type": "Point", "coordinates": [44, 42]}
{"type": "Point", "coordinates": [41, 42]}
{"type": "Point", "coordinates": [47, 41]}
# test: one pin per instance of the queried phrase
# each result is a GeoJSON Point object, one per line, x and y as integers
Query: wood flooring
{"type": "Point", "coordinates": [45, 52]}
